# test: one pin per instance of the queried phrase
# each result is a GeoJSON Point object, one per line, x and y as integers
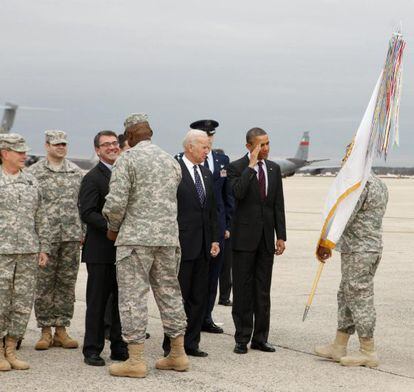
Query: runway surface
{"type": "Point", "coordinates": [293, 367]}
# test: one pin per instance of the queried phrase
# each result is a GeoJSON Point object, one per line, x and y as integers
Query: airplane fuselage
{"type": "Point", "coordinates": [289, 166]}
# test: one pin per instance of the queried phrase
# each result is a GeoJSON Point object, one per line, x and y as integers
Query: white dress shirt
{"type": "Point", "coordinates": [257, 171]}
{"type": "Point", "coordinates": [190, 167]}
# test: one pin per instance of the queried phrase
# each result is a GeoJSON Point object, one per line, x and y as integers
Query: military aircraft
{"type": "Point", "coordinates": [290, 166]}
{"type": "Point", "coordinates": [9, 115]}
{"type": "Point", "coordinates": [6, 125]}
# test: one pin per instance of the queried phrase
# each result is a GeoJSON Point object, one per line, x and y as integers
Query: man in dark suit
{"type": "Point", "coordinates": [99, 255]}
{"type": "Point", "coordinates": [217, 164]}
{"type": "Point", "coordinates": [257, 187]}
{"type": "Point", "coordinates": [197, 222]}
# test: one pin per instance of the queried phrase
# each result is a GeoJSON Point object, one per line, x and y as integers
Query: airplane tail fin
{"type": "Point", "coordinates": [303, 149]}
{"type": "Point", "coordinates": [8, 117]}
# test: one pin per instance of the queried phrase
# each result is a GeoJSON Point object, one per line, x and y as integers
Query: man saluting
{"type": "Point", "coordinates": [259, 212]}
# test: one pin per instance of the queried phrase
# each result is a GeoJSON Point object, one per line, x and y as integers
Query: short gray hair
{"type": "Point", "coordinates": [192, 136]}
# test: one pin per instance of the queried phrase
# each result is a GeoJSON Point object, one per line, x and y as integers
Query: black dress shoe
{"type": "Point", "coordinates": [211, 328]}
{"type": "Point", "coordinates": [120, 356]}
{"type": "Point", "coordinates": [264, 346]}
{"type": "Point", "coordinates": [195, 352]}
{"type": "Point", "coordinates": [226, 302]}
{"type": "Point", "coordinates": [240, 348]}
{"type": "Point", "coordinates": [94, 360]}
{"type": "Point", "coordinates": [147, 335]}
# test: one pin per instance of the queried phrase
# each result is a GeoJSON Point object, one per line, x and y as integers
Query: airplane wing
{"type": "Point", "coordinates": [317, 160]}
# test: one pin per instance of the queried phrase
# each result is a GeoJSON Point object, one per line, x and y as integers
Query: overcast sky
{"type": "Point", "coordinates": [286, 66]}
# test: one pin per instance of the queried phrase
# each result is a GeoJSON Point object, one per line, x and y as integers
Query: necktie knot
{"type": "Point", "coordinates": [260, 163]}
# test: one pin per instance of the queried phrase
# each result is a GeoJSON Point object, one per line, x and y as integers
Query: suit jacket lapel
{"type": "Point", "coordinates": [105, 171]}
{"type": "Point", "coordinates": [217, 168]}
{"type": "Point", "coordinates": [188, 180]}
{"type": "Point", "coordinates": [270, 179]}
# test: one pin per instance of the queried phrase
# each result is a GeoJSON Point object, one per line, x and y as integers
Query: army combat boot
{"type": "Point", "coordinates": [11, 357]}
{"type": "Point", "coordinates": [134, 366]}
{"type": "Point", "coordinates": [62, 339]}
{"type": "Point", "coordinates": [336, 350]}
{"type": "Point", "coordinates": [366, 356]}
{"type": "Point", "coordinates": [4, 364]}
{"type": "Point", "coordinates": [177, 358]}
{"type": "Point", "coordinates": [45, 340]}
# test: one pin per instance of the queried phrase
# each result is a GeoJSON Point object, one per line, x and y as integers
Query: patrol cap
{"type": "Point", "coordinates": [13, 141]}
{"type": "Point", "coordinates": [56, 137]}
{"type": "Point", "coordinates": [208, 126]}
{"type": "Point", "coordinates": [135, 118]}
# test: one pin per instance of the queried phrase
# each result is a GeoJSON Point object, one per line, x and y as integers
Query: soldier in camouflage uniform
{"type": "Point", "coordinates": [141, 209]}
{"type": "Point", "coordinates": [361, 248]}
{"type": "Point", "coordinates": [24, 244]}
{"type": "Point", "coordinates": [60, 182]}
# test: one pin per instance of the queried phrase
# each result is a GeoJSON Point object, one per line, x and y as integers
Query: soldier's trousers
{"type": "Point", "coordinates": [156, 266]}
{"type": "Point", "coordinates": [17, 289]}
{"type": "Point", "coordinates": [55, 293]}
{"type": "Point", "coordinates": [356, 309]}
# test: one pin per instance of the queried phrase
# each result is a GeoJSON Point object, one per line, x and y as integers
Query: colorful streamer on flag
{"type": "Point", "coordinates": [384, 131]}
{"type": "Point", "coordinates": [377, 131]}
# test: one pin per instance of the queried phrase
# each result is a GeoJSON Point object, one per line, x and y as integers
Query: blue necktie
{"type": "Point", "coordinates": [199, 186]}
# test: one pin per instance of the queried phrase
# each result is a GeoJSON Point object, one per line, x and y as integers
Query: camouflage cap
{"type": "Point", "coordinates": [135, 118]}
{"type": "Point", "coordinates": [13, 141]}
{"type": "Point", "coordinates": [56, 137]}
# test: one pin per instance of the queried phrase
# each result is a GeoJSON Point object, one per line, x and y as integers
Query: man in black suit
{"type": "Point", "coordinates": [217, 163]}
{"type": "Point", "coordinates": [257, 187]}
{"type": "Point", "coordinates": [197, 222]}
{"type": "Point", "coordinates": [99, 254]}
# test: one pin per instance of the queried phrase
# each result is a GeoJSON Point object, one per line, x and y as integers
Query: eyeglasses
{"type": "Point", "coordinates": [109, 144]}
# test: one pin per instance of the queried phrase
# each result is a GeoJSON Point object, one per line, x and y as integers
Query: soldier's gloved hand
{"type": "Point", "coordinates": [323, 253]}
{"type": "Point", "coordinates": [43, 259]}
{"type": "Point", "coordinates": [111, 235]}
{"type": "Point", "coordinates": [215, 249]}
{"type": "Point", "coordinates": [226, 235]}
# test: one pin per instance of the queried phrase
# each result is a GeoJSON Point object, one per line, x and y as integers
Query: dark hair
{"type": "Point", "coordinates": [122, 139]}
{"type": "Point", "coordinates": [96, 139]}
{"type": "Point", "coordinates": [252, 133]}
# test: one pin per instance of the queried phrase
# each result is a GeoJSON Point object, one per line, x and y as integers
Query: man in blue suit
{"type": "Point", "coordinates": [217, 164]}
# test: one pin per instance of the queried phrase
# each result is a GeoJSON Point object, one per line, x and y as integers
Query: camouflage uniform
{"type": "Point", "coordinates": [361, 249]}
{"type": "Point", "coordinates": [55, 294]}
{"type": "Point", "coordinates": [24, 232]}
{"type": "Point", "coordinates": [142, 207]}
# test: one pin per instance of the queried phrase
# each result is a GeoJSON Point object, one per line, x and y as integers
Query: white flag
{"type": "Point", "coordinates": [350, 181]}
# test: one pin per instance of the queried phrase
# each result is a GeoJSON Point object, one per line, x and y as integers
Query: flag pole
{"type": "Point", "coordinates": [312, 293]}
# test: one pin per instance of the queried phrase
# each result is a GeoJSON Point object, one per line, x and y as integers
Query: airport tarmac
{"type": "Point", "coordinates": [293, 367]}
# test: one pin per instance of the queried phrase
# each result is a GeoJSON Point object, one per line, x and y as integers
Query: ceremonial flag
{"type": "Point", "coordinates": [377, 131]}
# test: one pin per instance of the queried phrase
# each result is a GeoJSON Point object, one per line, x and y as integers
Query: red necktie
{"type": "Point", "coordinates": [262, 181]}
